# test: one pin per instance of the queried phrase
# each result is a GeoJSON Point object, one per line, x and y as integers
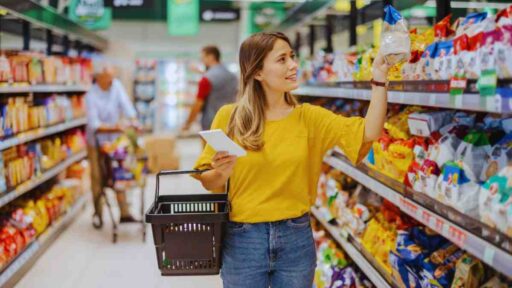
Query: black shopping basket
{"type": "Point", "coordinates": [188, 230]}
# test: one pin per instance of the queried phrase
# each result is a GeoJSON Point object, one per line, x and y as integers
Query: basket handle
{"type": "Point", "coordinates": [173, 172]}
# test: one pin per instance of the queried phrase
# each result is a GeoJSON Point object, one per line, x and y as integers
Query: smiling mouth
{"type": "Point", "coordinates": [292, 77]}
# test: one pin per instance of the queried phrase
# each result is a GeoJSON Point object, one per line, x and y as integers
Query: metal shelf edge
{"type": "Point", "coordinates": [41, 132]}
{"type": "Point", "coordinates": [353, 252]}
{"type": "Point", "coordinates": [44, 89]}
{"type": "Point", "coordinates": [17, 269]}
{"type": "Point", "coordinates": [31, 184]}
{"type": "Point", "coordinates": [487, 252]}
{"type": "Point", "coordinates": [472, 102]}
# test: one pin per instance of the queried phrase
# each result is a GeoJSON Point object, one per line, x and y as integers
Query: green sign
{"type": "Point", "coordinates": [90, 13]}
{"type": "Point", "coordinates": [265, 15]}
{"type": "Point", "coordinates": [487, 82]}
{"type": "Point", "coordinates": [183, 17]}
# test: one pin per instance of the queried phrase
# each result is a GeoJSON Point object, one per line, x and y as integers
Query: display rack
{"type": "Point", "coordinates": [35, 134]}
{"type": "Point", "coordinates": [33, 183]}
{"type": "Point", "coordinates": [353, 252]}
{"type": "Point", "coordinates": [468, 101]}
{"type": "Point", "coordinates": [481, 248]}
{"type": "Point", "coordinates": [144, 87]}
{"type": "Point", "coordinates": [23, 262]}
{"type": "Point", "coordinates": [43, 89]}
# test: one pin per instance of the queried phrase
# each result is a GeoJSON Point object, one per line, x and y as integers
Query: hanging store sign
{"type": "Point", "coordinates": [183, 17]}
{"type": "Point", "coordinates": [91, 13]}
{"type": "Point", "coordinates": [220, 15]}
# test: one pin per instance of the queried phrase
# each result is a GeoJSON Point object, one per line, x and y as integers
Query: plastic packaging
{"type": "Point", "coordinates": [395, 41]}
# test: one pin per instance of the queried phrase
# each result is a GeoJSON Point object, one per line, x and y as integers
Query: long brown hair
{"type": "Point", "coordinates": [248, 118]}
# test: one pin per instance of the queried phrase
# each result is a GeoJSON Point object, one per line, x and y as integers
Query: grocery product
{"type": "Point", "coordinates": [469, 273]}
{"type": "Point", "coordinates": [395, 42]}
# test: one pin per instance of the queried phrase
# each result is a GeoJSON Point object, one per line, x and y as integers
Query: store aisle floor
{"type": "Point", "coordinates": [84, 257]}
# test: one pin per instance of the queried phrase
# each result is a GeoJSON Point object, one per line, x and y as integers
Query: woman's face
{"type": "Point", "coordinates": [279, 71]}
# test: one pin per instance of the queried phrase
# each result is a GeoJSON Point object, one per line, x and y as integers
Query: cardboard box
{"type": "Point", "coordinates": [160, 144]}
{"type": "Point", "coordinates": [167, 161]}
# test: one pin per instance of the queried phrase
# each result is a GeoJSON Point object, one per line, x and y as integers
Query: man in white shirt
{"type": "Point", "coordinates": [107, 104]}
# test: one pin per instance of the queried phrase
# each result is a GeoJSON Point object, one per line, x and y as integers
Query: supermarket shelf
{"type": "Point", "coordinates": [31, 184]}
{"type": "Point", "coordinates": [371, 272]}
{"type": "Point", "coordinates": [469, 101]}
{"type": "Point", "coordinates": [474, 244]}
{"type": "Point", "coordinates": [43, 89]}
{"type": "Point", "coordinates": [15, 271]}
{"type": "Point", "coordinates": [41, 132]}
{"type": "Point", "coordinates": [47, 17]}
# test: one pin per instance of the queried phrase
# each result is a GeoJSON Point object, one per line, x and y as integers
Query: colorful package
{"type": "Point", "coordinates": [469, 25]}
{"type": "Point", "coordinates": [488, 52]}
{"type": "Point", "coordinates": [5, 70]}
{"type": "Point", "coordinates": [471, 152]}
{"type": "Point", "coordinates": [444, 61]}
{"type": "Point", "coordinates": [442, 29]}
{"type": "Point", "coordinates": [503, 57]}
{"type": "Point", "coordinates": [424, 123]}
{"type": "Point", "coordinates": [395, 42]}
{"type": "Point", "coordinates": [457, 190]}
{"type": "Point", "coordinates": [469, 273]}
{"type": "Point", "coordinates": [498, 158]}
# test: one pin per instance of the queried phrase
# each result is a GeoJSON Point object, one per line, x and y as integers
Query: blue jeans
{"type": "Point", "coordinates": [278, 254]}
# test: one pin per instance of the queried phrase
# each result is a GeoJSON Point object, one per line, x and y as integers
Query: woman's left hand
{"type": "Point", "coordinates": [380, 69]}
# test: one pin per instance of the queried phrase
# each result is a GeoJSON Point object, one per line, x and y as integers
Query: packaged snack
{"type": "Point", "coordinates": [457, 190]}
{"type": "Point", "coordinates": [442, 29]}
{"type": "Point", "coordinates": [460, 49]}
{"type": "Point", "coordinates": [401, 272]}
{"type": "Point", "coordinates": [427, 238]}
{"type": "Point", "coordinates": [469, 273]}
{"type": "Point", "coordinates": [424, 123]}
{"type": "Point", "coordinates": [35, 71]}
{"type": "Point", "coordinates": [504, 17]}
{"type": "Point", "coordinates": [5, 70]}
{"type": "Point", "coordinates": [425, 66]}
{"type": "Point", "coordinates": [472, 24]}
{"type": "Point", "coordinates": [19, 66]}
{"type": "Point", "coordinates": [408, 250]}
{"type": "Point", "coordinates": [471, 151]}
{"type": "Point", "coordinates": [498, 158]}
{"type": "Point", "coordinates": [503, 48]}
{"type": "Point", "coordinates": [488, 52]}
{"type": "Point", "coordinates": [495, 282]}
{"type": "Point", "coordinates": [439, 268]}
{"type": "Point", "coordinates": [395, 42]}
{"type": "Point", "coordinates": [444, 61]}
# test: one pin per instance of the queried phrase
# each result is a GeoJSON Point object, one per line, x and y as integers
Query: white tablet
{"type": "Point", "coordinates": [221, 142]}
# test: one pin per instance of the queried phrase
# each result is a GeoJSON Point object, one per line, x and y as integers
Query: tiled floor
{"type": "Point", "coordinates": [84, 257]}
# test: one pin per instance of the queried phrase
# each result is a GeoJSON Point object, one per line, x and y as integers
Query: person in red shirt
{"type": "Point", "coordinates": [216, 88]}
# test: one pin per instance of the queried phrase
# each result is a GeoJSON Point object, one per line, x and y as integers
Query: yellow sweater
{"type": "Point", "coordinates": [280, 181]}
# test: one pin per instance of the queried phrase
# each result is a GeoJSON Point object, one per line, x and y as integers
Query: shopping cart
{"type": "Point", "coordinates": [116, 175]}
{"type": "Point", "coordinates": [188, 230]}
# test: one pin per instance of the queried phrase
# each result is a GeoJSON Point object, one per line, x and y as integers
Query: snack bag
{"type": "Point", "coordinates": [442, 29]}
{"type": "Point", "coordinates": [425, 123]}
{"type": "Point", "coordinates": [498, 158]}
{"type": "Point", "coordinates": [471, 152]}
{"type": "Point", "coordinates": [473, 24]}
{"type": "Point", "coordinates": [444, 61]}
{"type": "Point", "coordinates": [460, 49]}
{"type": "Point", "coordinates": [425, 66]}
{"type": "Point", "coordinates": [495, 282]}
{"type": "Point", "coordinates": [457, 190]}
{"type": "Point", "coordinates": [504, 17]}
{"type": "Point", "coordinates": [495, 201]}
{"type": "Point", "coordinates": [469, 273]}
{"type": "Point", "coordinates": [487, 53]}
{"type": "Point", "coordinates": [5, 70]}
{"type": "Point", "coordinates": [395, 42]}
{"type": "Point", "coordinates": [503, 57]}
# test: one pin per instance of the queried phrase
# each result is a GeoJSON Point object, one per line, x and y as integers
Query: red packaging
{"type": "Point", "coordinates": [442, 29]}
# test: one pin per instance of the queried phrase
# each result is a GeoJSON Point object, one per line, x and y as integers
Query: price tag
{"type": "Point", "coordinates": [457, 236]}
{"type": "Point", "coordinates": [458, 85]}
{"type": "Point", "coordinates": [489, 255]}
{"type": "Point", "coordinates": [487, 83]}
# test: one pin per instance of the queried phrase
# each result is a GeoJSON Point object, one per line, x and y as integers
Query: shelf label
{"type": "Point", "coordinates": [457, 236]}
{"type": "Point", "coordinates": [438, 225]}
{"type": "Point", "coordinates": [408, 206]}
{"type": "Point", "coordinates": [425, 217]}
{"type": "Point", "coordinates": [487, 83]}
{"type": "Point", "coordinates": [458, 85]}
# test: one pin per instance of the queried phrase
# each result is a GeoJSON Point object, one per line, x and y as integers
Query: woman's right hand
{"type": "Point", "coordinates": [224, 163]}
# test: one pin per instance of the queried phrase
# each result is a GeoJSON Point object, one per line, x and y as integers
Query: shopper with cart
{"type": "Point", "coordinates": [107, 104]}
{"type": "Point", "coordinates": [268, 241]}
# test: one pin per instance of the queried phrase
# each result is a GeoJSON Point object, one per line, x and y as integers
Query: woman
{"type": "Point", "coordinates": [269, 241]}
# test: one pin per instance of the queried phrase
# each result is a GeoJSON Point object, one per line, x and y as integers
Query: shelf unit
{"type": "Point", "coordinates": [489, 253]}
{"type": "Point", "coordinates": [353, 252]}
{"type": "Point", "coordinates": [33, 183]}
{"type": "Point", "coordinates": [468, 101]}
{"type": "Point", "coordinates": [35, 134]}
{"type": "Point", "coordinates": [43, 89]}
{"type": "Point", "coordinates": [23, 262]}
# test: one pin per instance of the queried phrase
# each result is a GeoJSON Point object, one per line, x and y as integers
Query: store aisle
{"type": "Point", "coordinates": [84, 257]}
